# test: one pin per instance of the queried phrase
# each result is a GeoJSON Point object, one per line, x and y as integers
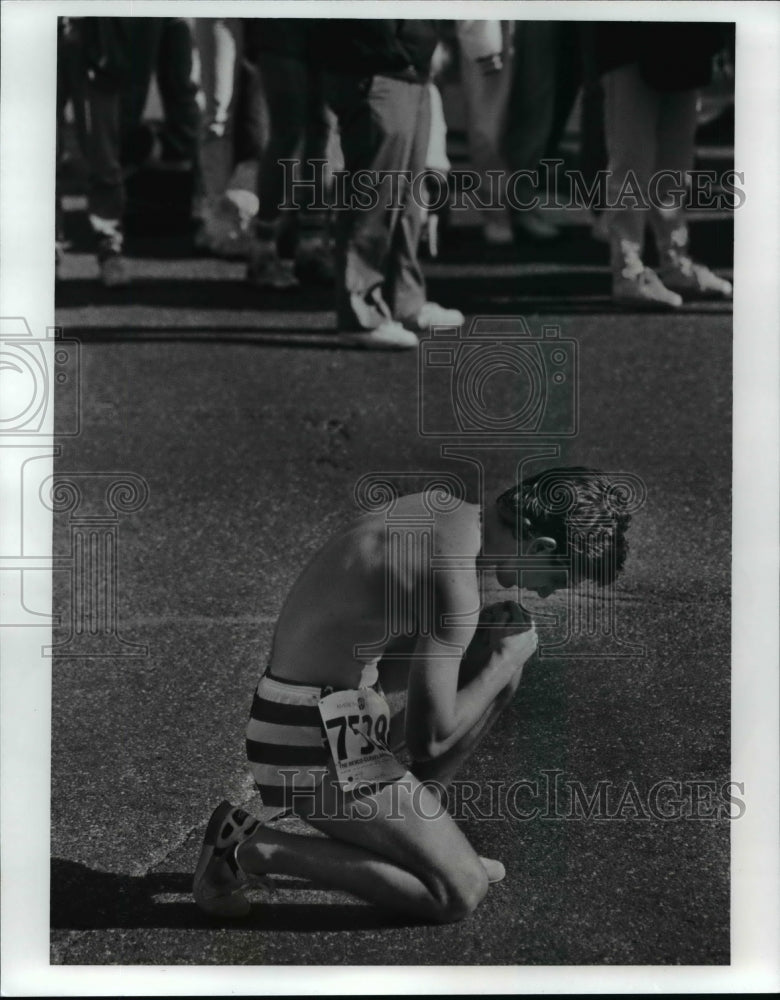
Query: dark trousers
{"type": "Point", "coordinates": [96, 113]}
{"type": "Point", "coordinates": [163, 46]}
{"type": "Point", "coordinates": [385, 125]}
{"type": "Point", "coordinates": [532, 99]}
{"type": "Point", "coordinates": [302, 128]}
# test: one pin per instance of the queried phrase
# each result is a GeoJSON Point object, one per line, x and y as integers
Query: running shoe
{"type": "Point", "coordinates": [314, 262]}
{"type": "Point", "coordinates": [267, 270]}
{"type": "Point", "coordinates": [219, 884]}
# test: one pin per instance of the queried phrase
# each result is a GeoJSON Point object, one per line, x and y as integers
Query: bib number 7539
{"type": "Point", "coordinates": [356, 723]}
{"type": "Point", "coordinates": [361, 726]}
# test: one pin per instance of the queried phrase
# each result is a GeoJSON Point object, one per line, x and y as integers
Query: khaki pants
{"type": "Point", "coordinates": [385, 127]}
{"type": "Point", "coordinates": [646, 131]}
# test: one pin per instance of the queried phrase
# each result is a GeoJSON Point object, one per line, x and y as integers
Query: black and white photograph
{"type": "Point", "coordinates": [388, 425]}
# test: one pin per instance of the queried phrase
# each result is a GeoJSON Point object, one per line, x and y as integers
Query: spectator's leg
{"type": "Point", "coordinates": [530, 117]}
{"type": "Point", "coordinates": [313, 250]}
{"type": "Point", "coordinates": [674, 153]}
{"type": "Point", "coordinates": [487, 98]}
{"type": "Point", "coordinates": [569, 73]}
{"type": "Point", "coordinates": [630, 121]}
{"type": "Point", "coordinates": [143, 38]}
{"type": "Point", "coordinates": [377, 118]}
{"type": "Point", "coordinates": [219, 47]}
{"type": "Point", "coordinates": [252, 128]}
{"type": "Point", "coordinates": [676, 134]}
{"type": "Point", "coordinates": [178, 92]}
{"type": "Point", "coordinates": [593, 149]}
{"type": "Point", "coordinates": [285, 81]}
{"type": "Point", "coordinates": [106, 195]}
{"type": "Point", "coordinates": [71, 84]}
{"type": "Point", "coordinates": [405, 283]}
{"type": "Point", "coordinates": [71, 79]}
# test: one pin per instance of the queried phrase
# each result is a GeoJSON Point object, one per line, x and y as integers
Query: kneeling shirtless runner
{"type": "Point", "coordinates": [318, 740]}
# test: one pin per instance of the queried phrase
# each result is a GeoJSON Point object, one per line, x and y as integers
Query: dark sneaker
{"type": "Point", "coordinates": [219, 882]}
{"type": "Point", "coordinates": [114, 272]}
{"type": "Point", "coordinates": [270, 271]}
{"type": "Point", "coordinates": [229, 244]}
{"type": "Point", "coordinates": [315, 262]}
{"type": "Point", "coordinates": [315, 270]}
{"type": "Point", "coordinates": [533, 224]}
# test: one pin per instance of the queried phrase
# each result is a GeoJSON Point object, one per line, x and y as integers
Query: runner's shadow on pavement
{"type": "Point", "coordinates": [84, 899]}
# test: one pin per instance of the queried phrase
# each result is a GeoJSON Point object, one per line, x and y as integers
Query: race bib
{"type": "Point", "coordinates": [357, 723]}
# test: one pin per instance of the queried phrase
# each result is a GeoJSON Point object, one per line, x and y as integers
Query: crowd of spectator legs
{"type": "Point", "coordinates": [327, 98]}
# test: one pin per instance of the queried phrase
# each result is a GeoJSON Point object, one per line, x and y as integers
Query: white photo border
{"type": "Point", "coordinates": [27, 131]}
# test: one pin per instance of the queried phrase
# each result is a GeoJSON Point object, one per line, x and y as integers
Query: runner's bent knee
{"type": "Point", "coordinates": [459, 890]}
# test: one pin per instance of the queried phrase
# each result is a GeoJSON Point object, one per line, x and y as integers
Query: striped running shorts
{"type": "Point", "coordinates": [286, 744]}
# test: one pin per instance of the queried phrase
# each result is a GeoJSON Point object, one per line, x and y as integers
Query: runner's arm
{"type": "Point", "coordinates": [438, 715]}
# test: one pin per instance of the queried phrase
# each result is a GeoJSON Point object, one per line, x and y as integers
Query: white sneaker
{"type": "Point", "coordinates": [643, 289]}
{"type": "Point", "coordinates": [388, 336]}
{"type": "Point", "coordinates": [692, 280]}
{"type": "Point", "coordinates": [432, 314]}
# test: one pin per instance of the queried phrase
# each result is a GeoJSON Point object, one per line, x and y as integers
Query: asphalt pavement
{"type": "Point", "coordinates": [250, 426]}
